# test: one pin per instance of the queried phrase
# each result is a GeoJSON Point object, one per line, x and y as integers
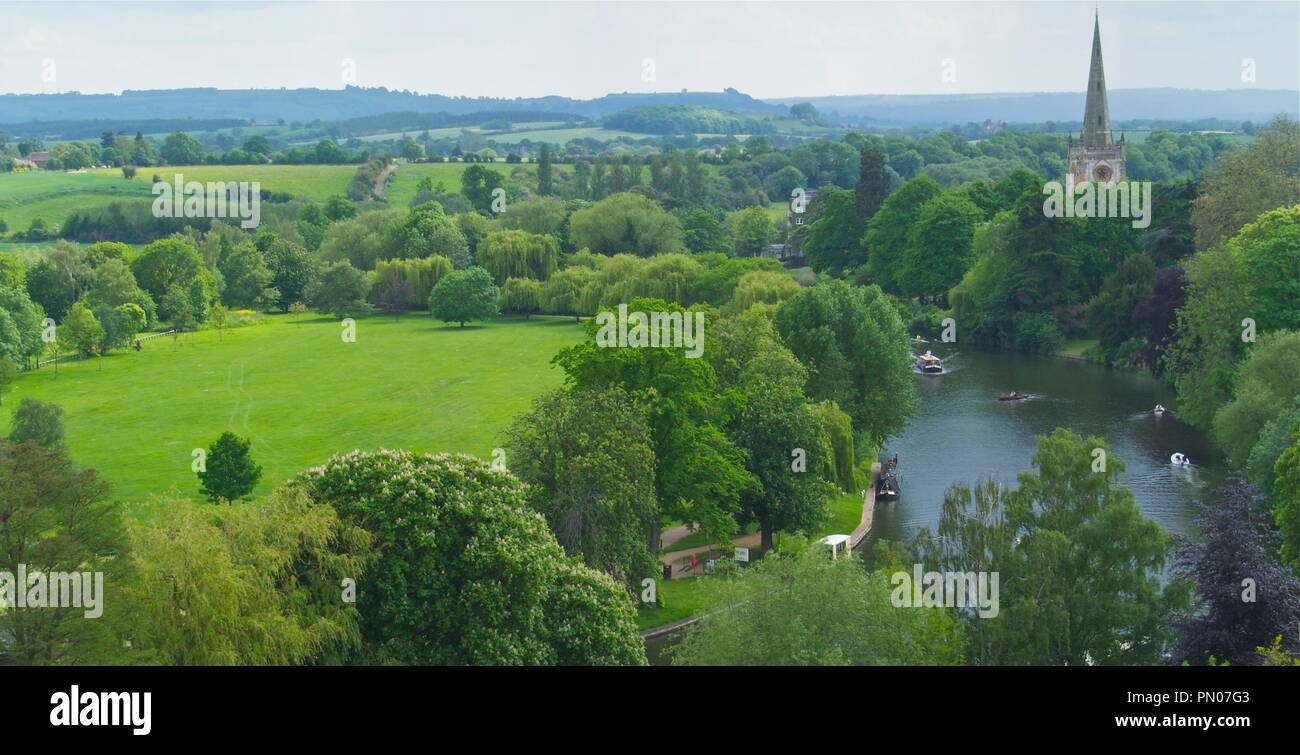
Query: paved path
{"type": "Point", "coordinates": [868, 509]}
{"type": "Point", "coordinates": [681, 560]}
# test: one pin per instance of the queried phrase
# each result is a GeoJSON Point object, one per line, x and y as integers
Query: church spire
{"type": "Point", "coordinates": [1096, 113]}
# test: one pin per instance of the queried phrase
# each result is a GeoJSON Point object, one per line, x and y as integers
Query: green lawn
{"type": "Point", "coordinates": [681, 598]}
{"type": "Point", "coordinates": [299, 393]}
{"type": "Point", "coordinates": [53, 195]}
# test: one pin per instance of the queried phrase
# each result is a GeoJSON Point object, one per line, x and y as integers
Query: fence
{"type": "Point", "coordinates": [74, 357]}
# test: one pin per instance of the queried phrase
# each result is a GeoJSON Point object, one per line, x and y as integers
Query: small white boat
{"type": "Point", "coordinates": [1178, 459]}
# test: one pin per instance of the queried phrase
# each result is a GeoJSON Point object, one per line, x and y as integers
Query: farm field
{"type": "Point", "coordinates": [298, 392]}
{"type": "Point", "coordinates": [315, 182]}
{"type": "Point", "coordinates": [53, 195]}
{"type": "Point", "coordinates": [402, 184]}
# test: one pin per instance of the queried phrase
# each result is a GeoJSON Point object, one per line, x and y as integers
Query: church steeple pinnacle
{"type": "Point", "coordinates": [1096, 113]}
{"type": "Point", "coordinates": [1097, 157]}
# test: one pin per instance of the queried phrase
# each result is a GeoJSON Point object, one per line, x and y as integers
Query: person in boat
{"type": "Point", "coordinates": [1180, 459]}
{"type": "Point", "coordinates": [1160, 409]}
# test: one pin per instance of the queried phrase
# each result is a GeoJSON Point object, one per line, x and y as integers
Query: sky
{"type": "Point", "coordinates": [589, 49]}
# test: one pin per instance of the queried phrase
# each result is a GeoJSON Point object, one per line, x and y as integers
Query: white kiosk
{"type": "Point", "coordinates": [839, 544]}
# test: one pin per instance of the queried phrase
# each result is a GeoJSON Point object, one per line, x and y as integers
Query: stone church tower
{"type": "Point", "coordinates": [1097, 157]}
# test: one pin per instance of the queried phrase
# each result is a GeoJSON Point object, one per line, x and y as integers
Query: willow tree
{"type": "Point", "coordinates": [257, 583]}
{"type": "Point", "coordinates": [522, 295]}
{"type": "Point", "coordinates": [518, 254]}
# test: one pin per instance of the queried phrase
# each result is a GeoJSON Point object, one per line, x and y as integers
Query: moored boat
{"type": "Point", "coordinates": [889, 484]}
{"type": "Point", "coordinates": [1013, 396]}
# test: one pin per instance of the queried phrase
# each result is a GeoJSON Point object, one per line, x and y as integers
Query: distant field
{"type": "Point", "coordinates": [316, 182]}
{"type": "Point", "coordinates": [402, 185]}
{"type": "Point", "coordinates": [563, 135]}
{"type": "Point", "coordinates": [29, 251]}
{"type": "Point", "coordinates": [299, 393]}
{"type": "Point", "coordinates": [53, 195]}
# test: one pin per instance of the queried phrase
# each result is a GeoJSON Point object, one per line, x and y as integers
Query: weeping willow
{"type": "Point", "coordinates": [839, 434]}
{"type": "Point", "coordinates": [421, 274]}
{"type": "Point", "coordinates": [518, 254]}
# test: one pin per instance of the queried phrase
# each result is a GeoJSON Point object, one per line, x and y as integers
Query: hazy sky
{"type": "Point", "coordinates": [587, 49]}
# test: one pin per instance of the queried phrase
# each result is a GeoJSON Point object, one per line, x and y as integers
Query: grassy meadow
{"type": "Point", "coordinates": [298, 392]}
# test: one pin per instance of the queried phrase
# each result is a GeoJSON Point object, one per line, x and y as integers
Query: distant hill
{"type": "Point", "coordinates": [270, 105]}
{"type": "Point", "coordinates": [685, 119]}
{"type": "Point", "coordinates": [1037, 107]}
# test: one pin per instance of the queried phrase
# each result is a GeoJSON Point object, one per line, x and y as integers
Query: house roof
{"type": "Point", "coordinates": [38, 157]}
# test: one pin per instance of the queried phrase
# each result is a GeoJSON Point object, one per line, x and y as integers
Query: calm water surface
{"type": "Point", "coordinates": [962, 433]}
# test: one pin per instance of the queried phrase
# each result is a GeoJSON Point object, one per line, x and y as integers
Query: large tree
{"type": "Point", "coordinates": [938, 249]}
{"type": "Point", "coordinates": [1245, 597]}
{"type": "Point", "coordinates": [751, 230]}
{"type": "Point", "coordinates": [339, 289]}
{"type": "Point", "coordinates": [835, 237]}
{"type": "Point", "coordinates": [229, 471]}
{"type": "Point", "coordinates": [1269, 251]}
{"type": "Point", "coordinates": [855, 346]}
{"type": "Point", "coordinates": [1079, 566]}
{"type": "Point", "coordinates": [469, 575]}
{"type": "Point", "coordinates": [1264, 385]}
{"type": "Point", "coordinates": [1248, 182]}
{"type": "Point", "coordinates": [40, 422]}
{"type": "Point", "coordinates": [625, 223]}
{"type": "Point", "coordinates": [872, 187]}
{"type": "Point", "coordinates": [811, 610]}
{"type": "Point", "coordinates": [428, 231]}
{"type": "Point", "coordinates": [292, 268]}
{"type": "Point", "coordinates": [699, 474]}
{"type": "Point", "coordinates": [80, 332]}
{"type": "Point", "coordinates": [247, 279]}
{"type": "Point", "coordinates": [465, 295]}
{"type": "Point", "coordinates": [55, 518]}
{"type": "Point", "coordinates": [518, 254]}
{"type": "Point", "coordinates": [259, 583]}
{"type": "Point", "coordinates": [588, 457]}
{"type": "Point", "coordinates": [168, 264]}
{"type": "Point", "coordinates": [887, 232]}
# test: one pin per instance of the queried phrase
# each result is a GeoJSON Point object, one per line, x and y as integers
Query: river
{"type": "Point", "coordinates": [962, 433]}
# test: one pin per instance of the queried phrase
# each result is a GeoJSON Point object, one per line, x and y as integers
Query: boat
{"type": "Point", "coordinates": [918, 339]}
{"type": "Point", "coordinates": [1013, 396]}
{"type": "Point", "coordinates": [889, 484]}
{"type": "Point", "coordinates": [928, 362]}
{"type": "Point", "coordinates": [1178, 459]}
{"type": "Point", "coordinates": [1159, 410]}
